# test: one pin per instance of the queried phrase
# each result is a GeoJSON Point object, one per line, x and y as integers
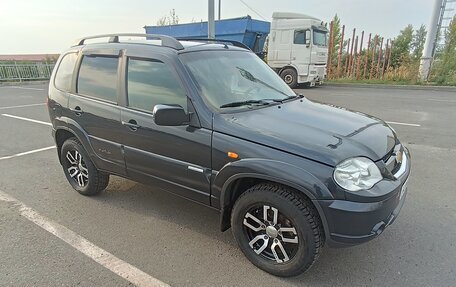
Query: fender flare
{"type": "Point", "coordinates": [268, 170]}
{"type": "Point", "coordinates": [73, 127]}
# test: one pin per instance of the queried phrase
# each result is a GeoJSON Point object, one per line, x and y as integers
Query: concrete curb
{"type": "Point", "coordinates": [25, 83]}
{"type": "Point", "coordinates": [398, 87]}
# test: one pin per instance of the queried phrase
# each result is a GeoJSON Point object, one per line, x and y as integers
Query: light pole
{"type": "Point", "coordinates": [220, 9]}
{"type": "Point", "coordinates": [431, 40]}
{"type": "Point", "coordinates": [210, 20]}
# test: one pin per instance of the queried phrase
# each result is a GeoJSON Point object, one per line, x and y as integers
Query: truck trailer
{"type": "Point", "coordinates": [297, 44]}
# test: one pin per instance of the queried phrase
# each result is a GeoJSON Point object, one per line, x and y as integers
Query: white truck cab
{"type": "Point", "coordinates": [298, 48]}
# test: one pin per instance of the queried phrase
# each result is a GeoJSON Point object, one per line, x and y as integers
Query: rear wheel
{"type": "Point", "coordinates": [276, 230]}
{"type": "Point", "coordinates": [79, 170]}
{"type": "Point", "coordinates": [290, 77]}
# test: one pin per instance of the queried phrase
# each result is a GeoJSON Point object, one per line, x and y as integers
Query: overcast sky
{"type": "Point", "coordinates": [50, 26]}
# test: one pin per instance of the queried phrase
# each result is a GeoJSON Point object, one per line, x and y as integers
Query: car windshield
{"type": "Point", "coordinates": [319, 38]}
{"type": "Point", "coordinates": [239, 77]}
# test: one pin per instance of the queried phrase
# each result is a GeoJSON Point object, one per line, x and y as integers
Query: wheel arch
{"type": "Point", "coordinates": [68, 130]}
{"type": "Point", "coordinates": [61, 135]}
{"type": "Point", "coordinates": [289, 66]}
{"type": "Point", "coordinates": [306, 186]}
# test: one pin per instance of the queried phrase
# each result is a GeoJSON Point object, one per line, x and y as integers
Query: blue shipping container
{"type": "Point", "coordinates": [246, 30]}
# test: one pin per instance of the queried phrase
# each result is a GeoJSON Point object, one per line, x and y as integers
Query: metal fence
{"type": "Point", "coordinates": [25, 72]}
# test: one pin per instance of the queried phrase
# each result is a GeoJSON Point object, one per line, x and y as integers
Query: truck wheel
{"type": "Point", "coordinates": [276, 230]}
{"type": "Point", "coordinates": [79, 170]}
{"type": "Point", "coordinates": [290, 77]}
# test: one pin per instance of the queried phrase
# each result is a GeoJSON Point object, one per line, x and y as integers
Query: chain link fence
{"type": "Point", "coordinates": [25, 72]}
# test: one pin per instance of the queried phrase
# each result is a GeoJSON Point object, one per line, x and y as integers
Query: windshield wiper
{"type": "Point", "coordinates": [246, 74]}
{"type": "Point", "coordinates": [243, 103]}
{"type": "Point", "coordinates": [288, 98]}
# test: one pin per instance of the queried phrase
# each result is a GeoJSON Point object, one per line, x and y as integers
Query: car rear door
{"type": "Point", "coordinates": [175, 158]}
{"type": "Point", "coordinates": [94, 107]}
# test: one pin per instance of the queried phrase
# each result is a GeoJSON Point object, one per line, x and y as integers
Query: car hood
{"type": "Point", "coordinates": [320, 132]}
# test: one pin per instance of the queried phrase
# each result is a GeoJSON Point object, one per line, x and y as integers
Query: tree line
{"type": "Point", "coordinates": [401, 54]}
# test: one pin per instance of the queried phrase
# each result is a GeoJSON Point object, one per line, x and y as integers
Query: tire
{"type": "Point", "coordinates": [80, 171]}
{"type": "Point", "coordinates": [295, 227]}
{"type": "Point", "coordinates": [290, 77]}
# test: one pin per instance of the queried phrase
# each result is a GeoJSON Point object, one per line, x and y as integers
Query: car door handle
{"type": "Point", "coordinates": [131, 124]}
{"type": "Point", "coordinates": [77, 110]}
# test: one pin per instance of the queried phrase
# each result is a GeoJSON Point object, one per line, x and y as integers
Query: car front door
{"type": "Point", "coordinates": [175, 158]}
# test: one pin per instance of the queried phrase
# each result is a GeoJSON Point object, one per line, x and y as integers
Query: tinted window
{"type": "Point", "coordinates": [300, 37]}
{"type": "Point", "coordinates": [151, 83]}
{"type": "Point", "coordinates": [98, 78]}
{"type": "Point", "coordinates": [64, 73]}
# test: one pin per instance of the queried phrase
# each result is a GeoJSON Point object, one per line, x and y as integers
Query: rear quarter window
{"type": "Point", "coordinates": [64, 73]}
{"type": "Point", "coordinates": [98, 77]}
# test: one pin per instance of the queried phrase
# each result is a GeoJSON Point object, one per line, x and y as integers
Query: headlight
{"type": "Point", "coordinates": [357, 173]}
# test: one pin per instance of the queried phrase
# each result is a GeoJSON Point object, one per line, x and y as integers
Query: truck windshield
{"type": "Point", "coordinates": [226, 77]}
{"type": "Point", "coordinates": [319, 38]}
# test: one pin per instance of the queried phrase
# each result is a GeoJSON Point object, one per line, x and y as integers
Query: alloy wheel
{"type": "Point", "coordinates": [270, 233]}
{"type": "Point", "coordinates": [77, 169]}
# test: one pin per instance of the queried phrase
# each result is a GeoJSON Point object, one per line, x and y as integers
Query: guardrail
{"type": "Point", "coordinates": [25, 72]}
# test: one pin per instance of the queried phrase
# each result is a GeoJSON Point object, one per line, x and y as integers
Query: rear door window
{"type": "Point", "coordinates": [151, 83]}
{"type": "Point", "coordinates": [98, 77]}
{"type": "Point", "coordinates": [64, 74]}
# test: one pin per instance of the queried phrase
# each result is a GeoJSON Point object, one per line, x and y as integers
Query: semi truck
{"type": "Point", "coordinates": [296, 43]}
{"type": "Point", "coordinates": [298, 48]}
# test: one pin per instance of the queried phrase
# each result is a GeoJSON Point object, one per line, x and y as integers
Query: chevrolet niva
{"type": "Point", "coordinates": [209, 121]}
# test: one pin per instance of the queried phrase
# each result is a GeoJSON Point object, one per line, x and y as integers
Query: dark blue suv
{"type": "Point", "coordinates": [210, 121]}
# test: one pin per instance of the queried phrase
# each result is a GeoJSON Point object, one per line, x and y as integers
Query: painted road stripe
{"type": "Point", "coordinates": [404, 124]}
{"type": "Point", "coordinates": [444, 101]}
{"type": "Point", "coordinates": [27, 152]}
{"type": "Point", "coordinates": [26, 88]}
{"type": "Point", "coordinates": [22, 106]}
{"type": "Point", "coordinates": [99, 255]}
{"type": "Point", "coordinates": [27, 119]}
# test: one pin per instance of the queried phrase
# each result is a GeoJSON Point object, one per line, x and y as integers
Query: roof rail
{"type": "Point", "coordinates": [232, 42]}
{"type": "Point", "coordinates": [166, 41]}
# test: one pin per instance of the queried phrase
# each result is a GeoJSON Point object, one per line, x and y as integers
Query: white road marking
{"type": "Point", "coordinates": [99, 255]}
{"type": "Point", "coordinates": [22, 106]}
{"type": "Point", "coordinates": [27, 152]}
{"type": "Point", "coordinates": [445, 101]}
{"type": "Point", "coordinates": [404, 124]}
{"type": "Point", "coordinates": [27, 119]}
{"type": "Point", "coordinates": [26, 88]}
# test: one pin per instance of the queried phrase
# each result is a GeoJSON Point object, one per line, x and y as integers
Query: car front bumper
{"type": "Point", "coordinates": [350, 223]}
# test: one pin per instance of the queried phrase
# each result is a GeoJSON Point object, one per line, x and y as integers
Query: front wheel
{"type": "Point", "coordinates": [79, 170]}
{"type": "Point", "coordinates": [290, 77]}
{"type": "Point", "coordinates": [276, 230]}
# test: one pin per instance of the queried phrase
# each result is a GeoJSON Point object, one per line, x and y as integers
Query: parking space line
{"type": "Point", "coordinates": [404, 124]}
{"type": "Point", "coordinates": [27, 119]}
{"type": "Point", "coordinates": [27, 152]}
{"type": "Point", "coordinates": [26, 88]}
{"type": "Point", "coordinates": [444, 101]}
{"type": "Point", "coordinates": [99, 255]}
{"type": "Point", "coordinates": [22, 106]}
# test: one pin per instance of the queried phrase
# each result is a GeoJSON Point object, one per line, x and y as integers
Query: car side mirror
{"type": "Point", "coordinates": [170, 115]}
{"type": "Point", "coordinates": [307, 38]}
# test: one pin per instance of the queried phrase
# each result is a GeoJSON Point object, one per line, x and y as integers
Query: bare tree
{"type": "Point", "coordinates": [170, 19]}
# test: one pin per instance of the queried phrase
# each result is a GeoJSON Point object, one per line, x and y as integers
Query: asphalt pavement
{"type": "Point", "coordinates": [179, 243]}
